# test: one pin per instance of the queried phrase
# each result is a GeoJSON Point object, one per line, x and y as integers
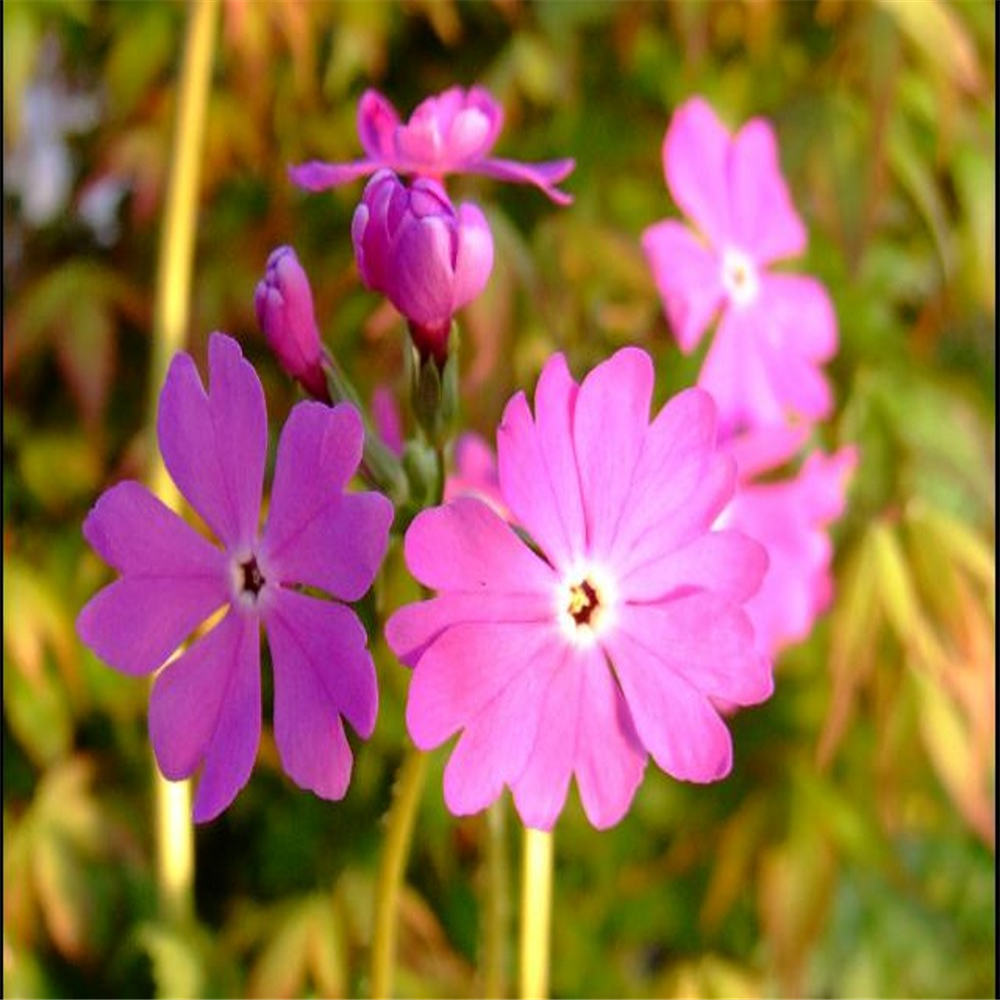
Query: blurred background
{"type": "Point", "coordinates": [852, 851]}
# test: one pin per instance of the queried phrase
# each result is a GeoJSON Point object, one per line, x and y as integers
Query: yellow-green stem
{"type": "Point", "coordinates": [174, 834]}
{"type": "Point", "coordinates": [536, 913]}
{"type": "Point", "coordinates": [395, 853]}
{"type": "Point", "coordinates": [497, 915]}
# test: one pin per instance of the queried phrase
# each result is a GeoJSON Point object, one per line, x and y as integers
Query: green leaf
{"type": "Point", "coordinates": [178, 963]}
{"type": "Point", "coordinates": [60, 468]}
{"type": "Point", "coordinates": [39, 661]}
{"type": "Point", "coordinates": [937, 32]}
{"type": "Point", "coordinates": [143, 48]}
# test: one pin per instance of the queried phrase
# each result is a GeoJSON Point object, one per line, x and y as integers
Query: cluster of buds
{"type": "Point", "coordinates": [427, 256]}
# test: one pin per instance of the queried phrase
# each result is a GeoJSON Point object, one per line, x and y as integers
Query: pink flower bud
{"type": "Point", "coordinates": [284, 305]}
{"type": "Point", "coordinates": [426, 257]}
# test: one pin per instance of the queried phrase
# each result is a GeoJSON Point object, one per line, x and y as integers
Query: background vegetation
{"type": "Point", "coordinates": [851, 853]}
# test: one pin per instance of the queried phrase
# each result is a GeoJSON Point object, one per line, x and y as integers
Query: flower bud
{"type": "Point", "coordinates": [426, 257]}
{"type": "Point", "coordinates": [284, 305]}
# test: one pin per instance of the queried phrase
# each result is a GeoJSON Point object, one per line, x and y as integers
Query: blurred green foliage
{"type": "Point", "coordinates": [851, 853]}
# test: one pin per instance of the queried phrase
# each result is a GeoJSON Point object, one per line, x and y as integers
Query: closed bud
{"type": "Point", "coordinates": [427, 257]}
{"type": "Point", "coordinates": [284, 304]}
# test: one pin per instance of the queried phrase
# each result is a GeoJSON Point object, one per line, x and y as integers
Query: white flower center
{"type": "Point", "coordinates": [739, 277]}
{"type": "Point", "coordinates": [586, 599]}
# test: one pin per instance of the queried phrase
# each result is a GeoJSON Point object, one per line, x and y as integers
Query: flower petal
{"type": "Point", "coordinates": [475, 474]}
{"type": "Point", "coordinates": [423, 269]}
{"type": "Point", "coordinates": [610, 759]}
{"type": "Point", "coordinates": [537, 468]}
{"type": "Point", "coordinates": [609, 426]}
{"type": "Point", "coordinates": [727, 563]}
{"type": "Point", "coordinates": [765, 223]}
{"type": "Point", "coordinates": [470, 135]}
{"type": "Point", "coordinates": [135, 532]}
{"type": "Point", "coordinates": [680, 484]}
{"type": "Point", "coordinates": [315, 533]}
{"type": "Point", "coordinates": [214, 444]}
{"type": "Point", "coordinates": [704, 639]}
{"type": "Point", "coordinates": [173, 580]}
{"type": "Point", "coordinates": [790, 519]}
{"type": "Point", "coordinates": [737, 374]}
{"type": "Point", "coordinates": [378, 121]}
{"type": "Point", "coordinates": [322, 670]}
{"type": "Point", "coordinates": [206, 706]}
{"type": "Point", "coordinates": [135, 623]}
{"type": "Point", "coordinates": [695, 157]}
{"type": "Point", "coordinates": [544, 176]}
{"type": "Point", "coordinates": [464, 669]}
{"type": "Point", "coordinates": [474, 256]}
{"type": "Point", "coordinates": [762, 449]}
{"type": "Point", "coordinates": [413, 627]}
{"type": "Point", "coordinates": [464, 546]}
{"type": "Point", "coordinates": [315, 175]}
{"type": "Point", "coordinates": [799, 314]}
{"type": "Point", "coordinates": [688, 277]}
{"type": "Point", "coordinates": [540, 790]}
{"type": "Point", "coordinates": [493, 750]}
{"type": "Point", "coordinates": [676, 723]}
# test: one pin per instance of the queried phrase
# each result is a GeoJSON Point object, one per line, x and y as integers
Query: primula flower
{"type": "Point", "coordinates": [790, 518]}
{"type": "Point", "coordinates": [608, 636]}
{"type": "Point", "coordinates": [205, 707]}
{"type": "Point", "coordinates": [776, 328]}
{"type": "Point", "coordinates": [426, 257]}
{"type": "Point", "coordinates": [450, 133]}
{"type": "Point", "coordinates": [284, 305]}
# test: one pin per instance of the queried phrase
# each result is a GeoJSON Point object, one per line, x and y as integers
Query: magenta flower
{"type": "Point", "coordinates": [790, 518]}
{"type": "Point", "coordinates": [447, 134]}
{"type": "Point", "coordinates": [205, 708]}
{"type": "Point", "coordinates": [426, 257]}
{"type": "Point", "coordinates": [776, 328]}
{"type": "Point", "coordinates": [284, 305]}
{"type": "Point", "coordinates": [606, 639]}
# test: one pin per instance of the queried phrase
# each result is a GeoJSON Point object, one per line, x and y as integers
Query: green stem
{"type": "Point", "coordinates": [174, 834]}
{"type": "Point", "coordinates": [497, 903]}
{"type": "Point", "coordinates": [536, 913]}
{"type": "Point", "coordinates": [395, 853]}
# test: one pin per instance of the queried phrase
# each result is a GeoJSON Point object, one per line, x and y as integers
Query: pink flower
{"type": "Point", "coordinates": [447, 134]}
{"type": "Point", "coordinates": [284, 305]}
{"type": "Point", "coordinates": [426, 257]}
{"type": "Point", "coordinates": [790, 518]}
{"type": "Point", "coordinates": [205, 708]}
{"type": "Point", "coordinates": [776, 328]}
{"type": "Point", "coordinates": [605, 639]}
{"type": "Point", "coordinates": [475, 474]}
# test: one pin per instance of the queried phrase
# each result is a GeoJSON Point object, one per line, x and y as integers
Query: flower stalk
{"type": "Point", "coordinates": [395, 853]}
{"type": "Point", "coordinates": [174, 833]}
{"type": "Point", "coordinates": [536, 913]}
{"type": "Point", "coordinates": [497, 903]}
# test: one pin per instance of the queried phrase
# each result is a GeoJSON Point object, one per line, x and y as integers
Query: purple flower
{"type": "Point", "coordinates": [205, 708]}
{"type": "Point", "coordinates": [790, 518]}
{"type": "Point", "coordinates": [284, 304]}
{"type": "Point", "coordinates": [450, 133]}
{"type": "Point", "coordinates": [426, 257]}
{"type": "Point", "coordinates": [606, 639]}
{"type": "Point", "coordinates": [776, 328]}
